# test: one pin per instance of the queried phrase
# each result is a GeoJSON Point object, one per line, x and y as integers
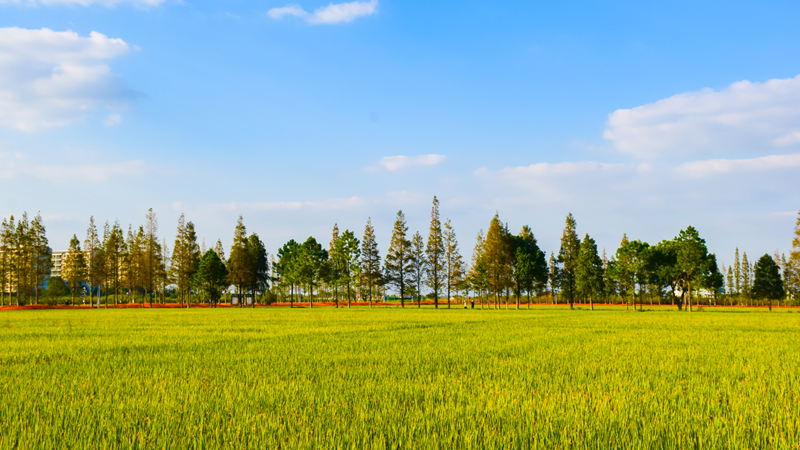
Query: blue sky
{"type": "Point", "coordinates": [637, 117]}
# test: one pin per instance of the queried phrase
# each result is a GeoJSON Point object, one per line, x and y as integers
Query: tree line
{"type": "Point", "coordinates": [505, 268]}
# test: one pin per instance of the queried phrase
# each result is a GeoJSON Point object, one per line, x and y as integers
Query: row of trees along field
{"type": "Point", "coordinates": [505, 268]}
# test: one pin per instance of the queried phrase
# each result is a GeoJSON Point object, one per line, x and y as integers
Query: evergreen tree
{"type": "Point", "coordinates": [310, 262]}
{"type": "Point", "coordinates": [497, 256]}
{"type": "Point", "coordinates": [529, 269]}
{"type": "Point", "coordinates": [418, 264]}
{"type": "Point", "coordinates": [713, 281]}
{"type": "Point", "coordinates": [370, 262]}
{"type": "Point", "coordinates": [737, 273]}
{"type": "Point", "coordinates": [477, 277]}
{"type": "Point", "coordinates": [792, 267]}
{"type": "Point", "coordinates": [42, 255]}
{"type": "Point", "coordinates": [731, 285]}
{"type": "Point", "coordinates": [154, 261]}
{"type": "Point", "coordinates": [6, 238]}
{"type": "Point", "coordinates": [434, 253]}
{"type": "Point", "coordinates": [287, 267]}
{"type": "Point", "coordinates": [589, 272]}
{"type": "Point", "coordinates": [334, 272]}
{"type": "Point", "coordinates": [94, 259]}
{"type": "Point", "coordinates": [74, 266]}
{"type": "Point", "coordinates": [239, 263]}
{"type": "Point", "coordinates": [453, 262]}
{"type": "Point", "coordinates": [554, 277]}
{"type": "Point", "coordinates": [212, 276]}
{"type": "Point", "coordinates": [767, 283]}
{"type": "Point", "coordinates": [115, 252]}
{"type": "Point", "coordinates": [398, 263]}
{"type": "Point", "coordinates": [568, 259]}
{"type": "Point", "coordinates": [746, 278]}
{"type": "Point", "coordinates": [664, 259]}
{"type": "Point", "coordinates": [259, 272]}
{"type": "Point", "coordinates": [348, 254]}
{"type": "Point", "coordinates": [632, 260]}
{"type": "Point", "coordinates": [23, 263]}
{"type": "Point", "coordinates": [692, 259]}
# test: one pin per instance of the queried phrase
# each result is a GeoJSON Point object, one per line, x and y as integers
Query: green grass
{"type": "Point", "coordinates": [386, 378]}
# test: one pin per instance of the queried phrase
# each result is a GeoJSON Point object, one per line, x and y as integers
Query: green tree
{"type": "Point", "coordinates": [6, 239]}
{"type": "Point", "coordinates": [692, 260]}
{"type": "Point", "coordinates": [477, 277]}
{"type": "Point", "coordinates": [259, 271]}
{"type": "Point", "coordinates": [212, 276]}
{"type": "Point", "coordinates": [664, 261]}
{"type": "Point", "coordinates": [737, 273]}
{"type": "Point", "coordinates": [74, 266]}
{"type": "Point", "coordinates": [568, 259]}
{"type": "Point", "coordinates": [42, 255]}
{"type": "Point", "coordinates": [371, 277]}
{"type": "Point", "coordinates": [434, 253]}
{"type": "Point", "coordinates": [713, 280]}
{"type": "Point", "coordinates": [746, 277]}
{"type": "Point", "coordinates": [398, 263]}
{"type": "Point", "coordinates": [240, 262]}
{"type": "Point", "coordinates": [418, 264]}
{"type": "Point", "coordinates": [589, 272]}
{"type": "Point", "coordinates": [311, 261]}
{"type": "Point", "coordinates": [792, 269]}
{"type": "Point", "coordinates": [347, 254]}
{"type": "Point", "coordinates": [153, 256]}
{"type": "Point", "coordinates": [334, 272]}
{"type": "Point", "coordinates": [287, 267]}
{"type": "Point", "coordinates": [497, 255]}
{"type": "Point", "coordinates": [114, 245]}
{"type": "Point", "coordinates": [94, 259]}
{"type": "Point", "coordinates": [554, 276]}
{"type": "Point", "coordinates": [767, 283]}
{"type": "Point", "coordinates": [56, 289]}
{"type": "Point", "coordinates": [631, 266]}
{"type": "Point", "coordinates": [453, 262]}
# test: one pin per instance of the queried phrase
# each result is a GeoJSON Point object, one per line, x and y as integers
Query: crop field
{"type": "Point", "coordinates": [392, 378]}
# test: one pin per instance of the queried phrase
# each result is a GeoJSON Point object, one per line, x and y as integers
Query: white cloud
{"type": "Point", "coordinates": [328, 204]}
{"type": "Point", "coordinates": [89, 172]}
{"type": "Point", "coordinates": [12, 166]}
{"type": "Point", "coordinates": [331, 14]}
{"type": "Point", "coordinates": [141, 3]}
{"type": "Point", "coordinates": [289, 10]}
{"type": "Point", "coordinates": [716, 166]}
{"type": "Point", "coordinates": [745, 116]}
{"type": "Point", "coordinates": [392, 163]}
{"type": "Point", "coordinates": [50, 78]}
{"type": "Point", "coordinates": [112, 119]}
{"type": "Point", "coordinates": [555, 182]}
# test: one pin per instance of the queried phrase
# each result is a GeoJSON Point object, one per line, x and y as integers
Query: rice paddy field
{"type": "Point", "coordinates": [392, 378]}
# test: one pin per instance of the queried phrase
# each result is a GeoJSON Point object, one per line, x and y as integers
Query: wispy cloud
{"type": "Point", "coordinates": [140, 3]}
{"type": "Point", "coordinates": [327, 204]}
{"type": "Point", "coordinates": [15, 165]}
{"type": "Point", "coordinates": [50, 78]}
{"type": "Point", "coordinates": [717, 166]}
{"type": "Point", "coordinates": [332, 14]}
{"type": "Point", "coordinates": [399, 162]}
{"type": "Point", "coordinates": [753, 117]}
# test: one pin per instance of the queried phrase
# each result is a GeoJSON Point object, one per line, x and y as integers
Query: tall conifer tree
{"type": "Point", "coordinates": [370, 262]}
{"type": "Point", "coordinates": [434, 253]}
{"type": "Point", "coordinates": [418, 264]}
{"type": "Point", "coordinates": [568, 258]}
{"type": "Point", "coordinates": [74, 266]}
{"type": "Point", "coordinates": [454, 263]}
{"type": "Point", "coordinates": [398, 262]}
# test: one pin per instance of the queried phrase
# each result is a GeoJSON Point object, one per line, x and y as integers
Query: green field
{"type": "Point", "coordinates": [386, 378]}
